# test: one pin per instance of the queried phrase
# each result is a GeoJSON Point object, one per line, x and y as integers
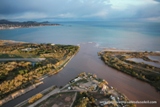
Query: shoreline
{"type": "Point", "coordinates": [87, 60]}
{"type": "Point", "coordinates": [93, 43]}
{"type": "Point", "coordinates": [125, 50]}
{"type": "Point", "coordinates": [103, 48]}
{"type": "Point", "coordinates": [27, 27]}
{"type": "Point", "coordinates": [5, 24]}
{"type": "Point", "coordinates": [119, 60]}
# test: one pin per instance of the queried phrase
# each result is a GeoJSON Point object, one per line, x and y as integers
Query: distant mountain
{"type": "Point", "coordinates": [5, 24]}
{"type": "Point", "coordinates": [3, 21]}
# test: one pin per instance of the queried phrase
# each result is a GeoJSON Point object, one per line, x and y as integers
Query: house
{"type": "Point", "coordinates": [69, 88]}
{"type": "Point", "coordinates": [102, 103]}
{"type": "Point", "coordinates": [77, 79]}
{"type": "Point", "coordinates": [112, 97]}
{"type": "Point", "coordinates": [27, 49]}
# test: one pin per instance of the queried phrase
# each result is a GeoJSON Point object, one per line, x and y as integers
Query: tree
{"type": "Point", "coordinates": [21, 72]}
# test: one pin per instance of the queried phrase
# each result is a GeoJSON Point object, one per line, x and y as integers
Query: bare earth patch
{"type": "Point", "coordinates": [58, 100]}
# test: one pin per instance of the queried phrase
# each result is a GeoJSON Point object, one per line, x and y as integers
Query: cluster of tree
{"type": "Point", "coordinates": [23, 78]}
{"type": "Point", "coordinates": [15, 75]}
{"type": "Point", "coordinates": [35, 98]}
{"type": "Point", "coordinates": [84, 99]}
{"type": "Point", "coordinates": [8, 70]}
{"type": "Point", "coordinates": [36, 50]}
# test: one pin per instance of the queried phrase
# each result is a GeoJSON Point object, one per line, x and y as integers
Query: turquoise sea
{"type": "Point", "coordinates": [122, 35]}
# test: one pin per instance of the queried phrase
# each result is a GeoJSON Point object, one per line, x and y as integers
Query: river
{"type": "Point", "coordinates": [87, 60]}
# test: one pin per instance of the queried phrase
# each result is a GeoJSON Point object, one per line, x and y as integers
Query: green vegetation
{"type": "Point", "coordinates": [18, 74]}
{"type": "Point", "coordinates": [142, 71]}
{"type": "Point", "coordinates": [84, 99]}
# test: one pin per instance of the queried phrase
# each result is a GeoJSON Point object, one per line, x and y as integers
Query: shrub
{"type": "Point", "coordinates": [35, 98]}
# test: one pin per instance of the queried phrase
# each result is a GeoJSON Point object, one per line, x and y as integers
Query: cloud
{"type": "Point", "coordinates": [79, 9]}
{"type": "Point", "coordinates": [157, 0]}
{"type": "Point", "coordinates": [52, 8]}
{"type": "Point", "coordinates": [30, 15]}
{"type": "Point", "coordinates": [132, 10]}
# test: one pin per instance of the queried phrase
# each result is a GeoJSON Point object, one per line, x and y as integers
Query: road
{"type": "Point", "coordinates": [23, 59]}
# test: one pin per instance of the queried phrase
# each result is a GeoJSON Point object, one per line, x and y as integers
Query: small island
{"type": "Point", "coordinates": [23, 66]}
{"type": "Point", "coordinates": [5, 24]}
{"type": "Point", "coordinates": [85, 90]}
{"type": "Point", "coordinates": [143, 65]}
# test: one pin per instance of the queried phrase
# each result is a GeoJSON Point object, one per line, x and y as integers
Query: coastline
{"type": "Point", "coordinates": [11, 28]}
{"type": "Point", "coordinates": [124, 50]}
{"type": "Point", "coordinates": [5, 24]}
{"type": "Point", "coordinates": [88, 60]}
{"type": "Point", "coordinates": [145, 71]}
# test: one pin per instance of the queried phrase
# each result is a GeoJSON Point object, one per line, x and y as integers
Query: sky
{"type": "Point", "coordinates": [140, 10]}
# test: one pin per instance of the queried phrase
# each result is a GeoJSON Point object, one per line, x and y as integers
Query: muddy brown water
{"type": "Point", "coordinates": [87, 60]}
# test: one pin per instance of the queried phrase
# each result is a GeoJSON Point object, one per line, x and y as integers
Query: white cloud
{"type": "Point", "coordinates": [31, 15]}
{"type": "Point", "coordinates": [98, 9]}
{"type": "Point", "coordinates": [66, 15]}
{"type": "Point", "coordinates": [154, 19]}
{"type": "Point", "coordinates": [124, 4]}
{"type": "Point", "coordinates": [101, 15]}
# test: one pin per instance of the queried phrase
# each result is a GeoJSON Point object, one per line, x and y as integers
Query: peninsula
{"type": "Point", "coordinates": [5, 24]}
{"type": "Point", "coordinates": [143, 65]}
{"type": "Point", "coordinates": [23, 66]}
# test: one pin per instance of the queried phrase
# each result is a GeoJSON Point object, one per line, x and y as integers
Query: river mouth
{"type": "Point", "coordinates": [87, 60]}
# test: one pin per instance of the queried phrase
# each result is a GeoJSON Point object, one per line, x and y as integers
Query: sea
{"type": "Point", "coordinates": [144, 36]}
{"type": "Point", "coordinates": [92, 36]}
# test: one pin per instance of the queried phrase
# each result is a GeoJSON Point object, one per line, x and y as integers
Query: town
{"type": "Point", "coordinates": [5, 24]}
{"type": "Point", "coordinates": [85, 90]}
